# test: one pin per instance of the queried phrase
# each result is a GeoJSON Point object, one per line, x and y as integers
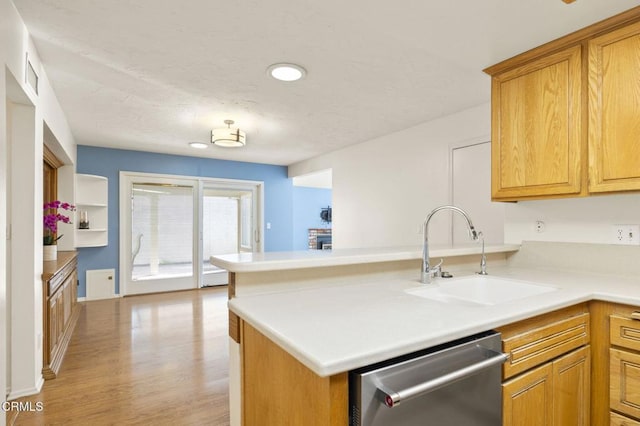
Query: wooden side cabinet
{"type": "Point", "coordinates": [60, 310]}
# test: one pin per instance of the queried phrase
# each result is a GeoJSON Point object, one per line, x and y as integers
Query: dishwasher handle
{"type": "Point", "coordinates": [392, 398]}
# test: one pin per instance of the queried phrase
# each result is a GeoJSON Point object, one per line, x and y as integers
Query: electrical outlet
{"type": "Point", "coordinates": [625, 235]}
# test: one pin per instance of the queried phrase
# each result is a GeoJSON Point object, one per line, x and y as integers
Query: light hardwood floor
{"type": "Point", "coordinates": [155, 359]}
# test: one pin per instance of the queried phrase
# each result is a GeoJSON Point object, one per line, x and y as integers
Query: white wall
{"type": "Point", "coordinates": [573, 220]}
{"type": "Point", "coordinates": [26, 259]}
{"type": "Point", "coordinates": [21, 333]}
{"type": "Point", "coordinates": [3, 248]}
{"type": "Point", "coordinates": [384, 188]}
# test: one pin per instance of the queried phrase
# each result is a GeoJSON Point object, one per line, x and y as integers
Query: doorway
{"type": "Point", "coordinates": [170, 226]}
{"type": "Point", "coordinates": [227, 217]}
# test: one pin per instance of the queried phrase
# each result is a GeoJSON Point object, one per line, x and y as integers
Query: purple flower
{"type": "Point", "coordinates": [51, 219]}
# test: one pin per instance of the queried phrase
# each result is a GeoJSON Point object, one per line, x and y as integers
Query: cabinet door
{"type": "Point", "coordinates": [60, 303]}
{"type": "Point", "coordinates": [527, 400]}
{"type": "Point", "coordinates": [54, 335]}
{"type": "Point", "coordinates": [571, 388]}
{"type": "Point", "coordinates": [618, 420]}
{"type": "Point", "coordinates": [74, 290]}
{"type": "Point", "coordinates": [614, 111]}
{"type": "Point", "coordinates": [53, 323]}
{"type": "Point", "coordinates": [536, 129]}
{"type": "Point", "coordinates": [625, 382]}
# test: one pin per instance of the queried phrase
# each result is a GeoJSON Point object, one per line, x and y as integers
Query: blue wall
{"type": "Point", "coordinates": [278, 195]}
{"type": "Point", "coordinates": [307, 204]}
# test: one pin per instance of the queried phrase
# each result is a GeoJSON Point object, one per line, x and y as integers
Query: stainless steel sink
{"type": "Point", "coordinates": [479, 290]}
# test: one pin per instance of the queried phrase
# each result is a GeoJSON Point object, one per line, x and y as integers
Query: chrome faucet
{"type": "Point", "coordinates": [483, 259]}
{"type": "Point", "coordinates": [427, 271]}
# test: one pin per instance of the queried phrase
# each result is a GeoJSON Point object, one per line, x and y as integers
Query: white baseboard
{"type": "Point", "coordinates": [84, 299]}
{"type": "Point", "coordinates": [27, 391]}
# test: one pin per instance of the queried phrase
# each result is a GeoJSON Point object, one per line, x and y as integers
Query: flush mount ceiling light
{"type": "Point", "coordinates": [286, 72]}
{"type": "Point", "coordinates": [198, 145]}
{"type": "Point", "coordinates": [228, 137]}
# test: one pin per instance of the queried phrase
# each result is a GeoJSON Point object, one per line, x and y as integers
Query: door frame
{"type": "Point", "coordinates": [496, 208]}
{"type": "Point", "coordinates": [127, 178]}
{"type": "Point", "coordinates": [235, 186]}
{"type": "Point", "coordinates": [453, 146]}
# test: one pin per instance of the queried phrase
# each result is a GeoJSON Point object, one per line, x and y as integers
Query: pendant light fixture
{"type": "Point", "coordinates": [228, 137]}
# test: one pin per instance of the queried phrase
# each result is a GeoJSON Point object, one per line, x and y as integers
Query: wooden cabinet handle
{"type": "Point", "coordinates": [635, 315]}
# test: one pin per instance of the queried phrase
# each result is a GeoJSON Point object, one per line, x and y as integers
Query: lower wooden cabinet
{"type": "Point", "coordinates": [527, 399]}
{"type": "Point", "coordinates": [624, 395]}
{"type": "Point", "coordinates": [552, 390]}
{"type": "Point", "coordinates": [555, 393]}
{"type": "Point", "coordinates": [547, 378]}
{"type": "Point", "coordinates": [572, 388]}
{"type": "Point", "coordinates": [60, 311]}
{"type": "Point", "coordinates": [278, 390]}
{"type": "Point", "coordinates": [615, 371]}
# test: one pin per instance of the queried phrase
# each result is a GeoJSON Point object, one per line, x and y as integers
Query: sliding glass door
{"type": "Point", "coordinates": [166, 223]}
{"type": "Point", "coordinates": [219, 233]}
{"type": "Point", "coordinates": [227, 228]}
{"type": "Point", "coordinates": [162, 223]}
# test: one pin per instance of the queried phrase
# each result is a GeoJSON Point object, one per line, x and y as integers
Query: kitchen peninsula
{"type": "Point", "coordinates": [306, 320]}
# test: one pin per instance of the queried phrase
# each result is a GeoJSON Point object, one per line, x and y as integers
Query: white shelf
{"type": "Point", "coordinates": [91, 205]}
{"type": "Point", "coordinates": [92, 196]}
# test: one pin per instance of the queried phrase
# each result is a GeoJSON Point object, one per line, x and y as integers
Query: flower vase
{"type": "Point", "coordinates": [49, 252]}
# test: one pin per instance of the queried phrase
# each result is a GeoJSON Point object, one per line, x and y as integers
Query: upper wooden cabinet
{"type": "Point", "coordinates": [614, 111]}
{"type": "Point", "coordinates": [564, 115]}
{"type": "Point", "coordinates": [536, 127]}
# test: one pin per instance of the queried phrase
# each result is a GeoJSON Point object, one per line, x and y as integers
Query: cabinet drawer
{"type": "Point", "coordinates": [624, 370]}
{"type": "Point", "coordinates": [538, 345]}
{"type": "Point", "coordinates": [618, 420]}
{"type": "Point", "coordinates": [58, 279]}
{"type": "Point", "coordinates": [625, 332]}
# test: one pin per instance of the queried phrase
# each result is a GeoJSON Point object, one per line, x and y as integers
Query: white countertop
{"type": "Point", "coordinates": [339, 328]}
{"type": "Point", "coordinates": [272, 261]}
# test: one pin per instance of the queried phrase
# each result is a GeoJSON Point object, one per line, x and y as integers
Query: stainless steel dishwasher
{"type": "Point", "coordinates": [453, 384]}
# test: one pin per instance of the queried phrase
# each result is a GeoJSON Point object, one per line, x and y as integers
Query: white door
{"type": "Point", "coordinates": [228, 227]}
{"type": "Point", "coordinates": [170, 226]}
{"type": "Point", "coordinates": [220, 218]}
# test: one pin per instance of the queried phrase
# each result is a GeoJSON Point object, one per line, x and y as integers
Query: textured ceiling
{"type": "Point", "coordinates": [153, 75]}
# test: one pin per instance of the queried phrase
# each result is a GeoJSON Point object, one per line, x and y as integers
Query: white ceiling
{"type": "Point", "coordinates": [154, 75]}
